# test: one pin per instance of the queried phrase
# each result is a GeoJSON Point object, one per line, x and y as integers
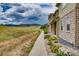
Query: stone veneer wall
{"type": "Point", "coordinates": [68, 36]}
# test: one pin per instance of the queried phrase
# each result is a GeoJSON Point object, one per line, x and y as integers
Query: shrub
{"type": "Point", "coordinates": [47, 36]}
{"type": "Point", "coordinates": [56, 41]}
{"type": "Point", "coordinates": [55, 48]}
{"type": "Point", "coordinates": [44, 28]}
{"type": "Point", "coordinates": [61, 53]}
{"type": "Point", "coordinates": [50, 43]}
{"type": "Point", "coordinates": [52, 38]}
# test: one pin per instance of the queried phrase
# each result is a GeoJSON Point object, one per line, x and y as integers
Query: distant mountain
{"type": "Point", "coordinates": [20, 25]}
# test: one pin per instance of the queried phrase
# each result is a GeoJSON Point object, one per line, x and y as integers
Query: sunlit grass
{"type": "Point", "coordinates": [7, 33]}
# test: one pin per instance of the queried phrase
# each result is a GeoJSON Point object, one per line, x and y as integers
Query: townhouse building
{"type": "Point", "coordinates": [65, 22]}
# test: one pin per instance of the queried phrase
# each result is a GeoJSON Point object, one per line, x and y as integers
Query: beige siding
{"type": "Point", "coordinates": [66, 9]}
{"type": "Point", "coordinates": [64, 13]}
{"type": "Point", "coordinates": [68, 36]}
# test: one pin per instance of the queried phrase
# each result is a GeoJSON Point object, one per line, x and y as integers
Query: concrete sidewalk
{"type": "Point", "coordinates": [39, 48]}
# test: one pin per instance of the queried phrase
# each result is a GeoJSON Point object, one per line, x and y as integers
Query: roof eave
{"type": "Point", "coordinates": [57, 5]}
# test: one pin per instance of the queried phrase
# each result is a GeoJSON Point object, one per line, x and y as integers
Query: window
{"type": "Point", "coordinates": [68, 27]}
{"type": "Point", "coordinates": [68, 23]}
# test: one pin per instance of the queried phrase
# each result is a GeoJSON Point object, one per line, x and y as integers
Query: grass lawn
{"type": "Point", "coordinates": [17, 40]}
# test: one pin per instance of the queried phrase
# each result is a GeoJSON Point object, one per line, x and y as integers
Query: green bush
{"type": "Point", "coordinates": [55, 48]}
{"type": "Point", "coordinates": [44, 28]}
{"type": "Point", "coordinates": [55, 41]}
{"type": "Point", "coordinates": [61, 53]}
{"type": "Point", "coordinates": [47, 36]}
{"type": "Point", "coordinates": [52, 38]}
{"type": "Point", "coordinates": [50, 43]}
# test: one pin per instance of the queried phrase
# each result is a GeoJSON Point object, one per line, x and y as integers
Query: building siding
{"type": "Point", "coordinates": [68, 36]}
{"type": "Point", "coordinates": [67, 14]}
{"type": "Point", "coordinates": [66, 9]}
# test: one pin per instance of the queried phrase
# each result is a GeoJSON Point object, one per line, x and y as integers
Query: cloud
{"type": "Point", "coordinates": [48, 8]}
{"type": "Point", "coordinates": [1, 9]}
{"type": "Point", "coordinates": [29, 13]}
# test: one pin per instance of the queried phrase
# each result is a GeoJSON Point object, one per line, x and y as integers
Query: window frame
{"type": "Point", "coordinates": [68, 27]}
{"type": "Point", "coordinates": [68, 22]}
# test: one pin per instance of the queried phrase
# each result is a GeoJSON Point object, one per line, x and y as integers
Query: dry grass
{"type": "Point", "coordinates": [7, 33]}
{"type": "Point", "coordinates": [17, 40]}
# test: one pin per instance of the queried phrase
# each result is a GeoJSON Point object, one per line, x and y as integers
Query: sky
{"type": "Point", "coordinates": [25, 13]}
